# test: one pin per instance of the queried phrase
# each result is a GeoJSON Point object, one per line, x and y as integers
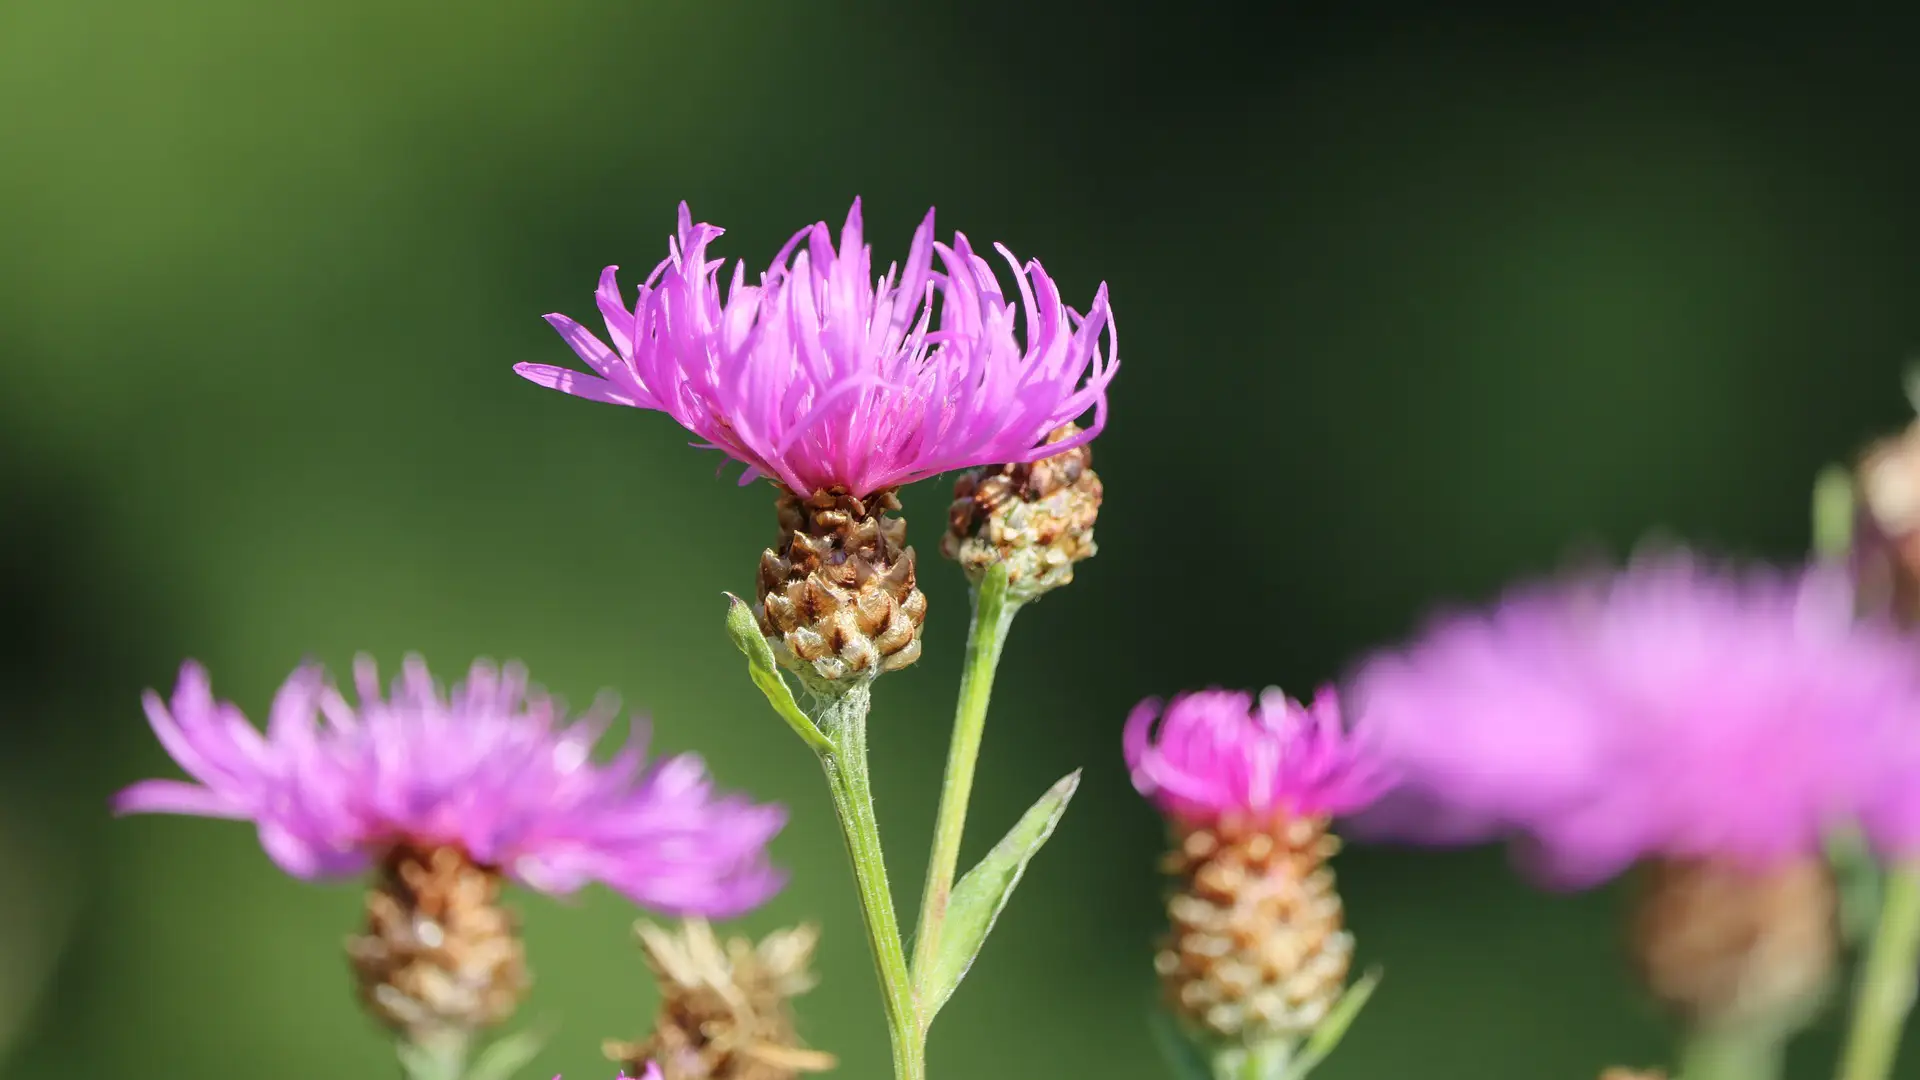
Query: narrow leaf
{"type": "Point", "coordinates": [1334, 1027]}
{"type": "Point", "coordinates": [979, 896]}
{"type": "Point", "coordinates": [1185, 1060]}
{"type": "Point", "coordinates": [508, 1056]}
{"type": "Point", "coordinates": [745, 630]}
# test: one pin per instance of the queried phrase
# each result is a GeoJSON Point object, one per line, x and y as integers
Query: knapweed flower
{"type": "Point", "coordinates": [726, 1007]}
{"type": "Point", "coordinates": [828, 382]}
{"type": "Point", "coordinates": [445, 794]}
{"type": "Point", "coordinates": [842, 389]}
{"type": "Point", "coordinates": [1715, 720]}
{"type": "Point", "coordinates": [1257, 951]}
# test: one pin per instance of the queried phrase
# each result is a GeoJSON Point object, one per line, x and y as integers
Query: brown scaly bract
{"type": "Point", "coordinates": [837, 596]}
{"type": "Point", "coordinates": [1720, 945]}
{"type": "Point", "coordinates": [1257, 949]}
{"type": "Point", "coordinates": [725, 1009]}
{"type": "Point", "coordinates": [439, 953]}
{"type": "Point", "coordinates": [1037, 518]}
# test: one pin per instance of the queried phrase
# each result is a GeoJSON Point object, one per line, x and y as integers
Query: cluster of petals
{"type": "Point", "coordinates": [821, 379]}
{"type": "Point", "coordinates": [1213, 755]}
{"type": "Point", "coordinates": [493, 767]}
{"type": "Point", "coordinates": [1673, 708]}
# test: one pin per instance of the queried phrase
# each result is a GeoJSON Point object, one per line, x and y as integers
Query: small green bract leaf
{"type": "Point", "coordinates": [1334, 1027]}
{"type": "Point", "coordinates": [745, 631]}
{"type": "Point", "coordinates": [1185, 1060]}
{"type": "Point", "coordinates": [508, 1056]}
{"type": "Point", "coordinates": [982, 892]}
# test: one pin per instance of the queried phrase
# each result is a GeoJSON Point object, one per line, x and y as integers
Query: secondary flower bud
{"type": "Point", "coordinates": [1886, 542]}
{"type": "Point", "coordinates": [1036, 518]}
{"type": "Point", "coordinates": [837, 596]}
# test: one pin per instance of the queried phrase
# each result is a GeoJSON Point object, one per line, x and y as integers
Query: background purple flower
{"type": "Point", "coordinates": [1212, 754]}
{"type": "Point", "coordinates": [821, 379]}
{"type": "Point", "coordinates": [492, 768]}
{"type": "Point", "coordinates": [1674, 708]}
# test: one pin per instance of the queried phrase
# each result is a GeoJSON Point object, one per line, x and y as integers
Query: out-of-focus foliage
{"type": "Point", "coordinates": [1410, 306]}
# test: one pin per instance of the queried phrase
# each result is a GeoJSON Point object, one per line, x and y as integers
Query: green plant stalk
{"type": "Point", "coordinates": [442, 1056]}
{"type": "Point", "coordinates": [843, 719]}
{"type": "Point", "coordinates": [993, 612]}
{"type": "Point", "coordinates": [1886, 988]}
{"type": "Point", "coordinates": [1730, 1055]}
{"type": "Point", "coordinates": [1270, 1060]}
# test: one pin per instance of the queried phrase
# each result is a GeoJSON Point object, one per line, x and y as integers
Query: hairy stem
{"type": "Point", "coordinates": [1885, 991]}
{"type": "Point", "coordinates": [993, 614]}
{"type": "Point", "coordinates": [843, 719]}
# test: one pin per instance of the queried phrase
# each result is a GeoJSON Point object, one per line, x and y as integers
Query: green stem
{"type": "Point", "coordinates": [1730, 1055]}
{"type": "Point", "coordinates": [1268, 1060]}
{"type": "Point", "coordinates": [843, 719]}
{"type": "Point", "coordinates": [436, 1056]}
{"type": "Point", "coordinates": [993, 614]}
{"type": "Point", "coordinates": [1886, 988]}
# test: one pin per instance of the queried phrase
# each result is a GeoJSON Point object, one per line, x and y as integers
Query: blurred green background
{"type": "Point", "coordinates": [1410, 305]}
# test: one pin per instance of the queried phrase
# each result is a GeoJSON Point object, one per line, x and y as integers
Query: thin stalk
{"type": "Point", "coordinates": [844, 721]}
{"type": "Point", "coordinates": [436, 1056]}
{"type": "Point", "coordinates": [1885, 991]}
{"type": "Point", "coordinates": [1268, 1060]}
{"type": "Point", "coordinates": [993, 613]}
{"type": "Point", "coordinates": [1730, 1055]}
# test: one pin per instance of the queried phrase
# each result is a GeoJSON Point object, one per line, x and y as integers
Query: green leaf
{"type": "Point", "coordinates": [508, 1056]}
{"type": "Point", "coordinates": [1185, 1060]}
{"type": "Point", "coordinates": [745, 630]}
{"type": "Point", "coordinates": [982, 892]}
{"type": "Point", "coordinates": [1334, 1027]}
{"type": "Point", "coordinates": [1832, 513]}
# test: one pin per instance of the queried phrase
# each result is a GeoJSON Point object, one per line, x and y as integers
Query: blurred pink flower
{"type": "Point", "coordinates": [822, 380]}
{"type": "Point", "coordinates": [1675, 708]}
{"type": "Point", "coordinates": [491, 768]}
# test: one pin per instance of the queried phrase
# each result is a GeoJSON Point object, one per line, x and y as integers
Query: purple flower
{"type": "Point", "coordinates": [1672, 709]}
{"type": "Point", "coordinates": [820, 379]}
{"type": "Point", "coordinates": [1216, 754]}
{"type": "Point", "coordinates": [493, 769]}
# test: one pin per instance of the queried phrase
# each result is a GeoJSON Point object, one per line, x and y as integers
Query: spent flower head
{"type": "Point", "coordinates": [828, 381]}
{"type": "Point", "coordinates": [1675, 709]}
{"type": "Point", "coordinates": [492, 770]}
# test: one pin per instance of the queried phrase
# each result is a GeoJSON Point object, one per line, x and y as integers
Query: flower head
{"type": "Point", "coordinates": [1674, 709]}
{"type": "Point", "coordinates": [491, 769]}
{"type": "Point", "coordinates": [825, 380]}
{"type": "Point", "coordinates": [1216, 754]}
